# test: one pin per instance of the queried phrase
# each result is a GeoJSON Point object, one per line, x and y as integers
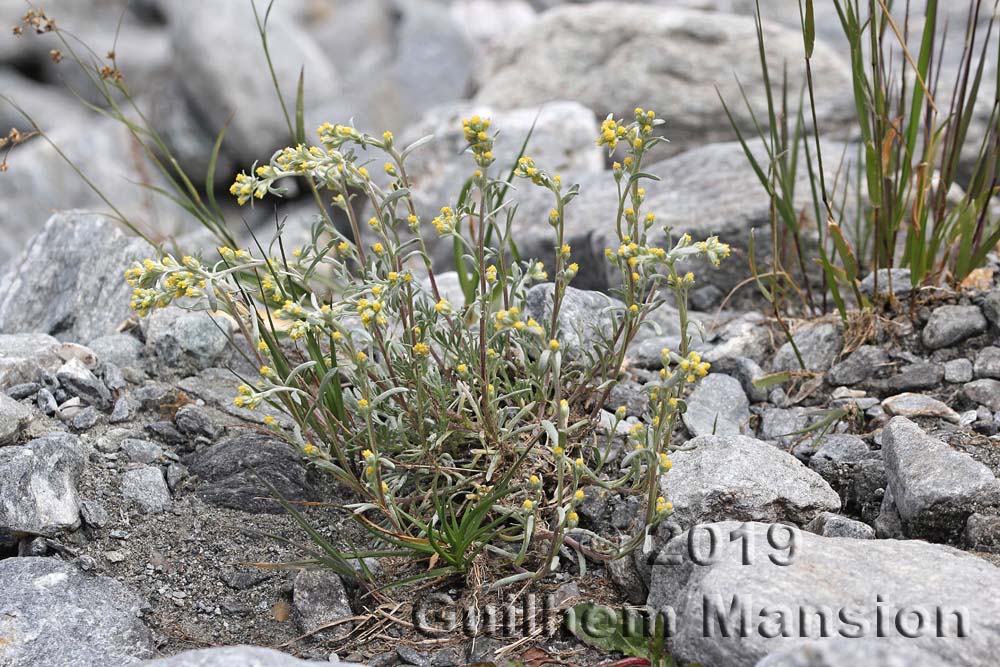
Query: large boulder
{"type": "Point", "coordinates": [613, 57]}
{"type": "Point", "coordinates": [774, 588]}
{"type": "Point", "coordinates": [69, 281]}
{"type": "Point", "coordinates": [935, 487]}
{"type": "Point", "coordinates": [720, 477]}
{"type": "Point", "coordinates": [53, 614]}
{"type": "Point", "coordinates": [25, 357]}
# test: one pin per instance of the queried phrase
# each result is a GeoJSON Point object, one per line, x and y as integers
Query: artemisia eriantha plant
{"type": "Point", "coordinates": [464, 430]}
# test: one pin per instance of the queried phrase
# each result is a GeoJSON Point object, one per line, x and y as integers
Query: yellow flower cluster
{"type": "Point", "coordinates": [445, 223]}
{"type": "Point", "coordinates": [476, 131]}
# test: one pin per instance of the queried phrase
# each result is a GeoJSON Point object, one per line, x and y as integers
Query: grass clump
{"type": "Point", "coordinates": [464, 430]}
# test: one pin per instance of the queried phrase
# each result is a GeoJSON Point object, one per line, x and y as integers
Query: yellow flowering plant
{"type": "Point", "coordinates": [416, 404]}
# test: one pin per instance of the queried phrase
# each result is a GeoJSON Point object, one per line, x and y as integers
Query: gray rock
{"type": "Point", "coordinates": [836, 451]}
{"type": "Point", "coordinates": [918, 405]}
{"type": "Point", "coordinates": [958, 371]}
{"type": "Point", "coordinates": [629, 395]}
{"type": "Point", "coordinates": [584, 317]}
{"type": "Point", "coordinates": [81, 294]}
{"type": "Point", "coordinates": [46, 402]}
{"type": "Point", "coordinates": [984, 392]}
{"type": "Point", "coordinates": [900, 279]}
{"type": "Point", "coordinates": [988, 363]}
{"type": "Point", "coordinates": [185, 342]}
{"type": "Point", "coordinates": [122, 411]}
{"type": "Point", "coordinates": [857, 575]}
{"type": "Point", "coordinates": [114, 379]}
{"type": "Point", "coordinates": [79, 381]}
{"type": "Point", "coordinates": [950, 325]}
{"type": "Point", "coordinates": [828, 524]}
{"type": "Point", "coordinates": [784, 425]}
{"type": "Point", "coordinates": [141, 451]}
{"type": "Point", "coordinates": [122, 350]}
{"type": "Point", "coordinates": [197, 422]}
{"type": "Point", "coordinates": [38, 485]}
{"type": "Point", "coordinates": [746, 371]}
{"type": "Point", "coordinates": [236, 656]}
{"type": "Point", "coordinates": [218, 387]}
{"type": "Point", "coordinates": [736, 477]}
{"type": "Point", "coordinates": [917, 376]}
{"type": "Point", "coordinates": [991, 307]}
{"type": "Point", "coordinates": [717, 406]}
{"type": "Point", "coordinates": [319, 598]}
{"type": "Point", "coordinates": [888, 524]}
{"type": "Point", "coordinates": [232, 471]}
{"type": "Point", "coordinates": [14, 418]}
{"type": "Point", "coordinates": [819, 344]}
{"type": "Point", "coordinates": [94, 514]}
{"type": "Point", "coordinates": [85, 419]}
{"type": "Point", "coordinates": [935, 487]}
{"type": "Point", "coordinates": [58, 616]}
{"type": "Point", "coordinates": [580, 47]}
{"type": "Point", "coordinates": [25, 357]}
{"type": "Point", "coordinates": [176, 473]}
{"type": "Point", "coordinates": [982, 532]}
{"type": "Point", "coordinates": [23, 390]}
{"type": "Point", "coordinates": [860, 365]}
{"type": "Point", "coordinates": [841, 652]}
{"type": "Point", "coordinates": [146, 488]}
{"type": "Point", "coordinates": [235, 78]}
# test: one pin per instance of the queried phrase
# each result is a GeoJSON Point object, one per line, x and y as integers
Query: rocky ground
{"type": "Point", "coordinates": [132, 506]}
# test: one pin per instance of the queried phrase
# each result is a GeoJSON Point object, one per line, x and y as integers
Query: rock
{"type": "Point", "coordinates": [79, 381]}
{"type": "Point", "coordinates": [196, 422]}
{"type": "Point", "coordinates": [733, 476]}
{"type": "Point", "coordinates": [984, 392]}
{"type": "Point", "coordinates": [186, 342]}
{"type": "Point", "coordinates": [629, 395]}
{"type": "Point", "coordinates": [900, 279]}
{"type": "Point", "coordinates": [717, 406]}
{"type": "Point", "coordinates": [988, 363]}
{"type": "Point", "coordinates": [23, 390]}
{"type": "Point", "coordinates": [917, 376]}
{"type": "Point", "coordinates": [746, 371]}
{"type": "Point", "coordinates": [57, 616]}
{"type": "Point", "coordinates": [860, 579]}
{"type": "Point", "coordinates": [141, 451]}
{"type": "Point", "coordinates": [836, 455]}
{"type": "Point", "coordinates": [888, 524]}
{"type": "Point", "coordinates": [122, 411]}
{"type": "Point", "coordinates": [860, 365]}
{"type": "Point", "coordinates": [38, 485]}
{"type": "Point", "coordinates": [828, 524]}
{"type": "Point", "coordinates": [991, 307]}
{"type": "Point", "coordinates": [46, 402]}
{"type": "Point", "coordinates": [958, 371]}
{"type": "Point", "coordinates": [950, 325]}
{"type": "Point", "coordinates": [218, 387]}
{"type": "Point", "coordinates": [235, 80]}
{"type": "Point", "coordinates": [935, 488]}
{"type": "Point", "coordinates": [25, 357]}
{"type": "Point", "coordinates": [584, 317]}
{"type": "Point", "coordinates": [146, 488]}
{"type": "Point", "coordinates": [232, 471]}
{"type": "Point", "coordinates": [113, 377]}
{"type": "Point", "coordinates": [236, 656]}
{"type": "Point", "coordinates": [841, 652]}
{"type": "Point", "coordinates": [982, 532]}
{"type": "Point", "coordinates": [918, 405]}
{"type": "Point", "coordinates": [819, 344]}
{"type": "Point", "coordinates": [81, 294]}
{"type": "Point", "coordinates": [784, 425]}
{"type": "Point", "coordinates": [85, 419]}
{"type": "Point", "coordinates": [122, 350]}
{"type": "Point", "coordinates": [581, 49]}
{"type": "Point", "coordinates": [14, 418]}
{"type": "Point", "coordinates": [94, 514]}
{"type": "Point", "coordinates": [319, 598]}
